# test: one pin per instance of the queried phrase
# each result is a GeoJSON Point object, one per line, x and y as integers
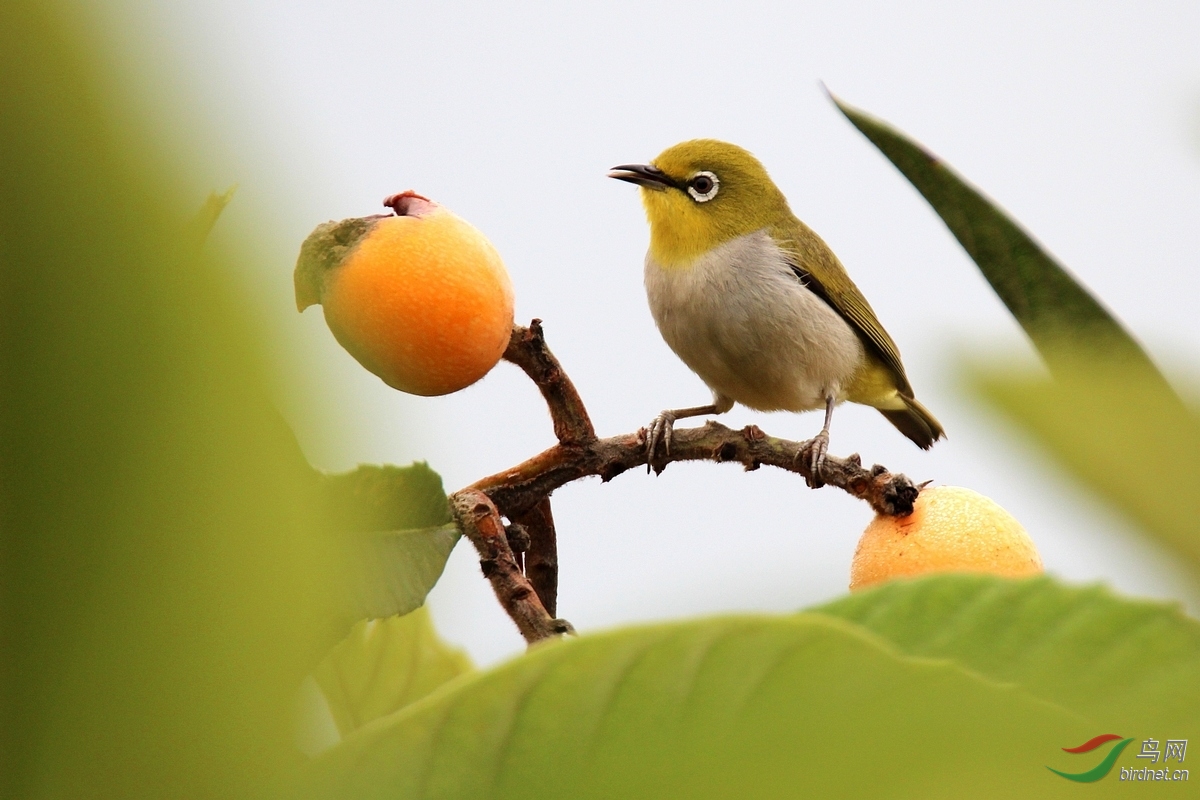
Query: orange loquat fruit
{"type": "Point", "coordinates": [951, 529]}
{"type": "Point", "coordinates": [420, 298]}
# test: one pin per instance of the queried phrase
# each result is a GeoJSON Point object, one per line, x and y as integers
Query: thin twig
{"type": "Point", "coordinates": [527, 349]}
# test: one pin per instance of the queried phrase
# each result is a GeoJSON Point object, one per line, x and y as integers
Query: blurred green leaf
{"type": "Point", "coordinates": [202, 224]}
{"type": "Point", "coordinates": [1134, 444]}
{"type": "Point", "coordinates": [162, 578]}
{"type": "Point", "coordinates": [399, 531]}
{"type": "Point", "coordinates": [1061, 317]}
{"type": "Point", "coordinates": [1121, 663]}
{"type": "Point", "coordinates": [383, 666]}
{"type": "Point", "coordinates": [804, 706]}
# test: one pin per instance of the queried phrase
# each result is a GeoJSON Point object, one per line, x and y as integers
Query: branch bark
{"type": "Point", "coordinates": [479, 520]}
{"type": "Point", "coordinates": [541, 555]}
{"type": "Point", "coordinates": [527, 349]}
{"type": "Point", "coordinates": [522, 493]}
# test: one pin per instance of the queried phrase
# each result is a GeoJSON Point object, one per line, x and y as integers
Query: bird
{"type": "Point", "coordinates": [756, 304]}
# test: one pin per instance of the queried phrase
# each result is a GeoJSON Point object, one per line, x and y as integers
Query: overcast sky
{"type": "Point", "coordinates": [1081, 118]}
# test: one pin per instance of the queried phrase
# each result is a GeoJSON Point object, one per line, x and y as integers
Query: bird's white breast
{"type": "Point", "coordinates": [741, 320]}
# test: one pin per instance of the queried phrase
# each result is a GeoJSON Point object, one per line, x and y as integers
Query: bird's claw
{"type": "Point", "coordinates": [661, 431]}
{"type": "Point", "coordinates": [813, 451]}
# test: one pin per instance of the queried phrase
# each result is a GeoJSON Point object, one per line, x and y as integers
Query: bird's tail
{"type": "Point", "coordinates": [915, 422]}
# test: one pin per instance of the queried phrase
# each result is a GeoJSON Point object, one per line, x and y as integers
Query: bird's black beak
{"type": "Point", "coordinates": [645, 175]}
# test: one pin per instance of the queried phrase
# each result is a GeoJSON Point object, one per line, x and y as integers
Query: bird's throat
{"type": "Point", "coordinates": [678, 246]}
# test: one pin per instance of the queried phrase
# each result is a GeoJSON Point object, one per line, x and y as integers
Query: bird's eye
{"type": "Point", "coordinates": [703, 186]}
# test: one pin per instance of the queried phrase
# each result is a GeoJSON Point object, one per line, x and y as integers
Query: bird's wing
{"type": "Point", "coordinates": [818, 269]}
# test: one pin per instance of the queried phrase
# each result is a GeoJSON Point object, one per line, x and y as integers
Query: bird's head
{"type": "Point", "coordinates": [700, 194]}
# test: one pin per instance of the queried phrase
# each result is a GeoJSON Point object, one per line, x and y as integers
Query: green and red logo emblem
{"type": "Point", "coordinates": [1106, 764]}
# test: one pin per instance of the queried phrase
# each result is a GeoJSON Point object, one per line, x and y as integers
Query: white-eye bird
{"type": "Point", "coordinates": [755, 303]}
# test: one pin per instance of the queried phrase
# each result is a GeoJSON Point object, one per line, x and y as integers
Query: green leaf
{"type": "Point", "coordinates": [1061, 317]}
{"type": "Point", "coordinates": [384, 498]}
{"type": "Point", "coordinates": [393, 571]}
{"type": "Point", "coordinates": [1121, 663]}
{"type": "Point", "coordinates": [398, 520]}
{"type": "Point", "coordinates": [162, 581]}
{"type": "Point", "coordinates": [383, 666]}
{"type": "Point", "coordinates": [1134, 444]}
{"type": "Point", "coordinates": [806, 706]}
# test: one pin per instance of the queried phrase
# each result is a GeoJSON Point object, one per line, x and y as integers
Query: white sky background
{"type": "Point", "coordinates": [1082, 119]}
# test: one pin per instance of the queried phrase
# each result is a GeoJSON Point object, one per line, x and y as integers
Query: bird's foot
{"type": "Point", "coordinates": [812, 454]}
{"type": "Point", "coordinates": [659, 437]}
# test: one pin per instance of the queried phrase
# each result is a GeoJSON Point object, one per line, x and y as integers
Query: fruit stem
{"type": "Point", "coordinates": [409, 204]}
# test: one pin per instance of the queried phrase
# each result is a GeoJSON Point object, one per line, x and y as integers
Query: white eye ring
{"type": "Point", "coordinates": [703, 179]}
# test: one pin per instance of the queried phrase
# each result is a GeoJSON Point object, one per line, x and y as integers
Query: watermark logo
{"type": "Point", "coordinates": [1106, 764]}
{"type": "Point", "coordinates": [1152, 750]}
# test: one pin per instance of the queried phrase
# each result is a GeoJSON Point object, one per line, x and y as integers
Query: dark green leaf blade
{"type": "Point", "coordinates": [1062, 317]}
{"type": "Point", "coordinates": [1122, 663]}
{"type": "Point", "coordinates": [398, 522]}
{"type": "Point", "coordinates": [385, 498]}
{"type": "Point", "coordinates": [393, 571]}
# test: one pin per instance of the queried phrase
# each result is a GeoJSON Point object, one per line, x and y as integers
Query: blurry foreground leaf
{"type": "Point", "coordinates": [1061, 317]}
{"type": "Point", "coordinates": [1122, 663]}
{"type": "Point", "coordinates": [804, 706]}
{"type": "Point", "coordinates": [1137, 446]}
{"type": "Point", "coordinates": [397, 523]}
{"type": "Point", "coordinates": [162, 581]}
{"type": "Point", "coordinates": [383, 666]}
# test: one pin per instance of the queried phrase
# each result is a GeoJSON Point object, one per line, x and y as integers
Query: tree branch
{"type": "Point", "coordinates": [522, 493]}
{"type": "Point", "coordinates": [480, 522]}
{"type": "Point", "coordinates": [527, 349]}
